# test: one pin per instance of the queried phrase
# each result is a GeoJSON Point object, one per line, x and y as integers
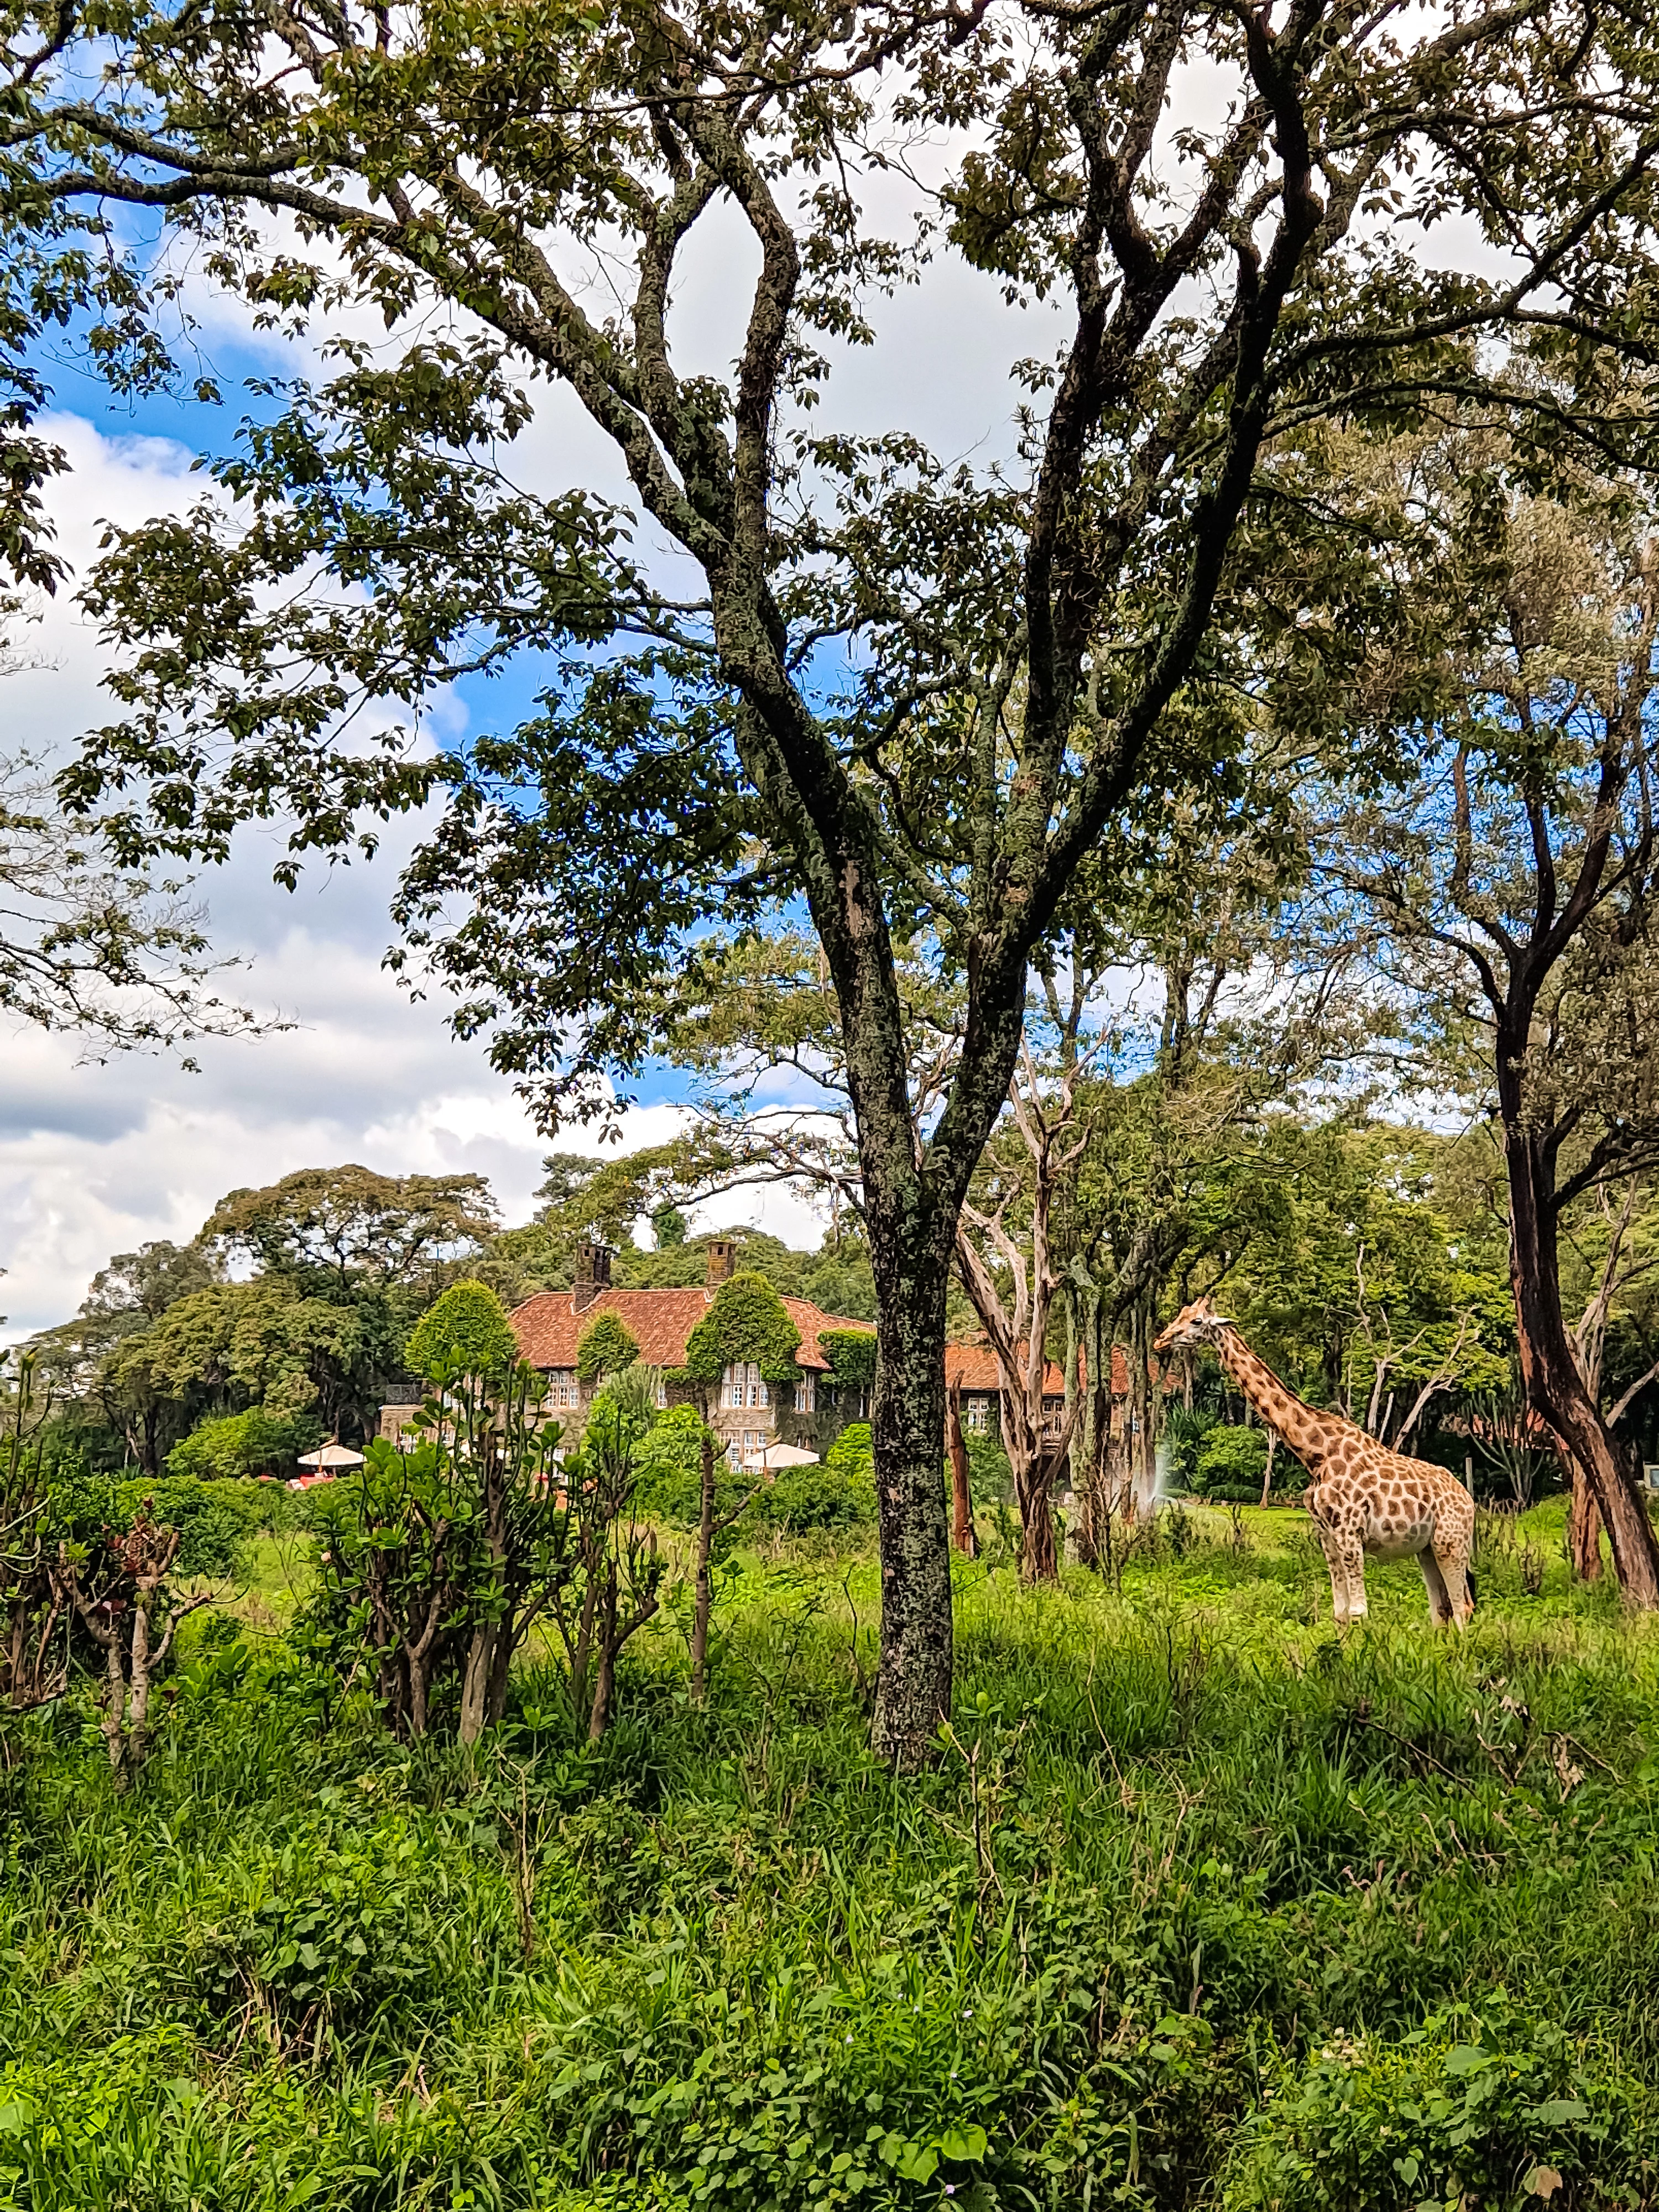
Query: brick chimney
{"type": "Point", "coordinates": [592, 1274]}
{"type": "Point", "coordinates": [722, 1260]}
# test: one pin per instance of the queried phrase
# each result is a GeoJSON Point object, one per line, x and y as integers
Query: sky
{"type": "Point", "coordinates": [97, 1160]}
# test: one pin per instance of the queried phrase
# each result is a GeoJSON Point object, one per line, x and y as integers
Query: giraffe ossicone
{"type": "Point", "coordinates": [1362, 1498]}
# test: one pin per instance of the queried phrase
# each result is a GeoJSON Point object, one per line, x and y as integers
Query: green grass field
{"type": "Point", "coordinates": [1200, 1906]}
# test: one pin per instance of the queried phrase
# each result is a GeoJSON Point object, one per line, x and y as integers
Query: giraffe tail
{"type": "Point", "coordinates": [1468, 1583]}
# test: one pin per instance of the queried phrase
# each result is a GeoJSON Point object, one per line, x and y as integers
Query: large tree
{"type": "Point", "coordinates": [1509, 869]}
{"type": "Point", "coordinates": [337, 1231]}
{"type": "Point", "coordinates": [900, 694]}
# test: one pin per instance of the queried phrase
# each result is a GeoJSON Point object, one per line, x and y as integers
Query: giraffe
{"type": "Point", "coordinates": [1362, 1496]}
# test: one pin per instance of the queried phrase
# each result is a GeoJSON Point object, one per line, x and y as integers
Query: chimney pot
{"type": "Point", "coordinates": [722, 1260]}
{"type": "Point", "coordinates": [592, 1274]}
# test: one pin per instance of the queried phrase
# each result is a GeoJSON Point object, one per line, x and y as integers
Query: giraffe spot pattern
{"type": "Point", "coordinates": [1362, 1498]}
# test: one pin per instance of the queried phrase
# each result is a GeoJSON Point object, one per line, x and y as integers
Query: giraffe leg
{"type": "Point", "coordinates": [1349, 1561]}
{"type": "Point", "coordinates": [1451, 1555]}
{"type": "Point", "coordinates": [1440, 1604]}
{"type": "Point", "coordinates": [1327, 1544]}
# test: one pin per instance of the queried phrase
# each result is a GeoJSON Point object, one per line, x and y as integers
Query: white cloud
{"type": "Point", "coordinates": [98, 1159]}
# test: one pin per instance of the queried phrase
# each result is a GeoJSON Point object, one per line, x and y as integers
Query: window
{"type": "Point", "coordinates": [662, 1390]}
{"type": "Point", "coordinates": [804, 1394]}
{"type": "Point", "coordinates": [978, 1414]}
{"type": "Point", "coordinates": [560, 1389]}
{"type": "Point", "coordinates": [742, 1385]}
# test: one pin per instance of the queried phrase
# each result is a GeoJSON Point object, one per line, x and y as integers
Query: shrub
{"type": "Point", "coordinates": [851, 1356]}
{"type": "Point", "coordinates": [436, 1560]}
{"type": "Point", "coordinates": [1231, 1464]}
{"type": "Point", "coordinates": [839, 1493]}
{"type": "Point", "coordinates": [668, 1468]}
{"type": "Point", "coordinates": [1184, 1432]}
{"type": "Point", "coordinates": [1511, 2115]}
{"type": "Point", "coordinates": [217, 1520]}
{"type": "Point", "coordinates": [466, 1329]}
{"type": "Point", "coordinates": [254, 1442]}
{"type": "Point", "coordinates": [745, 1320]}
{"type": "Point", "coordinates": [990, 1478]}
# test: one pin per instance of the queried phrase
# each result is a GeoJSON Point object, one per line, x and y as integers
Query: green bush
{"type": "Point", "coordinates": [217, 1520]}
{"type": "Point", "coordinates": [467, 1328]}
{"type": "Point", "coordinates": [840, 1492]}
{"type": "Point", "coordinates": [990, 1478]}
{"type": "Point", "coordinates": [1231, 1463]}
{"type": "Point", "coordinates": [1184, 1432]}
{"type": "Point", "coordinates": [745, 1320]}
{"type": "Point", "coordinates": [851, 1356]}
{"type": "Point", "coordinates": [254, 1442]}
{"type": "Point", "coordinates": [606, 1346]}
{"type": "Point", "coordinates": [668, 1466]}
{"type": "Point", "coordinates": [1460, 2111]}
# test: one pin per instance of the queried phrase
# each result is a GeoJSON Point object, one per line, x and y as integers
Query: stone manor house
{"type": "Point", "coordinates": [749, 1414]}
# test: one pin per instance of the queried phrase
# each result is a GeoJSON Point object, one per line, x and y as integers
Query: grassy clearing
{"type": "Point", "coordinates": [1202, 1906]}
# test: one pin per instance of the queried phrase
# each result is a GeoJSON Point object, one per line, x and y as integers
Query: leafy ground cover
{"type": "Point", "coordinates": [1200, 1906]}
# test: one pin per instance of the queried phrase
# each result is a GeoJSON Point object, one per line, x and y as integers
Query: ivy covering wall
{"type": "Point", "coordinates": [745, 1320]}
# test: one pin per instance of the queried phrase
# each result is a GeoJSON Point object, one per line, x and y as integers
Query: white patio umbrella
{"type": "Point", "coordinates": [325, 1463]}
{"type": "Point", "coordinates": [776, 1456]}
{"type": "Point", "coordinates": [331, 1456]}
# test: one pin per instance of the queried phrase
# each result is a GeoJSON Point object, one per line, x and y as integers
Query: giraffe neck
{"type": "Point", "coordinates": [1308, 1432]}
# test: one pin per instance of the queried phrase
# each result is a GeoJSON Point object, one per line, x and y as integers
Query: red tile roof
{"type": "Point", "coordinates": [548, 1325]}
{"type": "Point", "coordinates": [976, 1364]}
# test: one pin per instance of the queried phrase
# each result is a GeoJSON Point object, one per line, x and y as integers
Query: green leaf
{"type": "Point", "coordinates": [1467, 2058]}
{"type": "Point", "coordinates": [962, 2142]}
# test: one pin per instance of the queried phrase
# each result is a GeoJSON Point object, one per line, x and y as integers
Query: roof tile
{"type": "Point", "coordinates": [549, 1327]}
{"type": "Point", "coordinates": [976, 1364]}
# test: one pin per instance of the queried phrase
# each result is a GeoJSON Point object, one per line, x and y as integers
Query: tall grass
{"type": "Point", "coordinates": [1201, 1905]}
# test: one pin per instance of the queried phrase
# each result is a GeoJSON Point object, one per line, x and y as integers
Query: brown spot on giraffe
{"type": "Point", "coordinates": [1362, 1498]}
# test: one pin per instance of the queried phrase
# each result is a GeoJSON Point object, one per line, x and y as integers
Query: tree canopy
{"type": "Point", "coordinates": [330, 1226]}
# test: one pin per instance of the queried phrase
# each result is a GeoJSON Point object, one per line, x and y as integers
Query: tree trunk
{"type": "Point", "coordinates": [475, 1683]}
{"type": "Point", "coordinates": [962, 1507]}
{"type": "Point", "coordinates": [1141, 1444]}
{"type": "Point", "coordinates": [139, 1689]}
{"type": "Point", "coordinates": [703, 1604]}
{"type": "Point", "coordinates": [1554, 1386]}
{"type": "Point", "coordinates": [913, 1676]}
{"type": "Point", "coordinates": [115, 1706]}
{"type": "Point", "coordinates": [605, 1655]}
{"type": "Point", "coordinates": [1091, 1433]}
{"type": "Point", "coordinates": [1032, 1494]}
{"type": "Point", "coordinates": [1267, 1471]}
{"type": "Point", "coordinates": [1583, 1529]}
{"type": "Point", "coordinates": [500, 1669]}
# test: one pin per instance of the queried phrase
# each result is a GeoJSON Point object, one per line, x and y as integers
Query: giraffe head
{"type": "Point", "coordinates": [1194, 1325]}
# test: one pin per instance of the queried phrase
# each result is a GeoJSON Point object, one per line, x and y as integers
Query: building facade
{"type": "Point", "coordinates": [972, 1368]}
{"type": "Point", "coordinates": [746, 1411]}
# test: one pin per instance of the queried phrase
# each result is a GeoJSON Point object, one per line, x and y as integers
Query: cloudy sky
{"type": "Point", "coordinates": [97, 1160]}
